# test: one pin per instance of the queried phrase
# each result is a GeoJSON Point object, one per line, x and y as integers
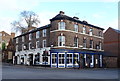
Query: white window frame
{"type": "Point", "coordinates": [37, 34]}
{"type": "Point", "coordinates": [30, 36]}
{"type": "Point", "coordinates": [62, 40]}
{"type": "Point", "coordinates": [16, 47]}
{"type": "Point", "coordinates": [16, 40]}
{"type": "Point", "coordinates": [22, 47]}
{"type": "Point", "coordinates": [23, 39]}
{"type": "Point", "coordinates": [100, 45]}
{"type": "Point", "coordinates": [37, 43]}
{"type": "Point", "coordinates": [84, 30]}
{"type": "Point", "coordinates": [90, 31]}
{"type": "Point", "coordinates": [44, 43]}
{"type": "Point", "coordinates": [44, 32]}
{"type": "Point", "coordinates": [76, 27]}
{"type": "Point", "coordinates": [61, 25]}
{"type": "Point", "coordinates": [29, 45]}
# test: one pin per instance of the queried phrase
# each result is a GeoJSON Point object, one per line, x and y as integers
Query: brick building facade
{"type": "Point", "coordinates": [5, 38]}
{"type": "Point", "coordinates": [111, 47]}
{"type": "Point", "coordinates": [65, 42]}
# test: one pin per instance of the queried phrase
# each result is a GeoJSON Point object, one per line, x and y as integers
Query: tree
{"type": "Point", "coordinates": [27, 19]}
{"type": "Point", "coordinates": [3, 45]}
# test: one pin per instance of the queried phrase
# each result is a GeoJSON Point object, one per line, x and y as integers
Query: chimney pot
{"type": "Point", "coordinates": [61, 12]}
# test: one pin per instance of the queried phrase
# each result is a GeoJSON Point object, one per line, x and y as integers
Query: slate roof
{"type": "Point", "coordinates": [118, 31]}
{"type": "Point", "coordinates": [36, 29]}
{"type": "Point", "coordinates": [59, 16]}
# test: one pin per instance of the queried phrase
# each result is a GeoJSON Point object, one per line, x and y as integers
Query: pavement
{"type": "Point", "coordinates": [10, 71]}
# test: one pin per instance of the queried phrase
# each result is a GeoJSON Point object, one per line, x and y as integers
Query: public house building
{"type": "Point", "coordinates": [66, 42]}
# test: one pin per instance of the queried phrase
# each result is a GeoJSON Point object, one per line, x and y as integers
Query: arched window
{"type": "Point", "coordinates": [61, 25]}
{"type": "Point", "coordinates": [76, 27]}
{"type": "Point", "coordinates": [61, 40]}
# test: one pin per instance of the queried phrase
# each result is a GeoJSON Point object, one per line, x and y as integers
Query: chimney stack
{"type": "Point", "coordinates": [62, 13]}
{"type": "Point", "coordinates": [76, 18]}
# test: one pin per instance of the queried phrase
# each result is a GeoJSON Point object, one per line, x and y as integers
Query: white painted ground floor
{"type": "Point", "coordinates": [59, 58]}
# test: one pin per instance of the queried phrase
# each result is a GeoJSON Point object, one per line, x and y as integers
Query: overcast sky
{"type": "Point", "coordinates": [102, 13]}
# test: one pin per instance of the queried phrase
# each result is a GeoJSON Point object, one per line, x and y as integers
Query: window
{"type": "Point", "coordinates": [61, 58]}
{"type": "Point", "coordinates": [75, 58]}
{"type": "Point", "coordinates": [84, 43]}
{"type": "Point", "coordinates": [90, 31]}
{"type": "Point", "coordinates": [76, 27]}
{"type": "Point", "coordinates": [100, 33]}
{"type": "Point", "coordinates": [29, 45]}
{"type": "Point", "coordinates": [76, 42]}
{"type": "Point", "coordinates": [61, 41]}
{"type": "Point", "coordinates": [37, 34]}
{"type": "Point", "coordinates": [30, 36]}
{"type": "Point", "coordinates": [22, 47]}
{"type": "Point", "coordinates": [44, 33]}
{"type": "Point", "coordinates": [100, 45]}
{"type": "Point", "coordinates": [54, 58]}
{"type": "Point", "coordinates": [16, 40]}
{"type": "Point", "coordinates": [23, 39]}
{"type": "Point", "coordinates": [69, 58]}
{"type": "Point", "coordinates": [84, 30]}
{"type": "Point", "coordinates": [16, 47]}
{"type": "Point", "coordinates": [61, 25]}
{"type": "Point", "coordinates": [37, 44]}
{"type": "Point", "coordinates": [91, 43]}
{"type": "Point", "coordinates": [44, 43]}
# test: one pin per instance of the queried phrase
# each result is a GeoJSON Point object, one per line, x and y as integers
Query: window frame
{"type": "Point", "coordinates": [44, 32]}
{"type": "Point", "coordinates": [61, 39]}
{"type": "Point", "coordinates": [61, 25]}
{"type": "Point", "coordinates": [44, 43]}
{"type": "Point", "coordinates": [76, 27]}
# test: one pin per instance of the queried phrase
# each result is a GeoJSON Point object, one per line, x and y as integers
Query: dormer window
{"type": "Point", "coordinates": [76, 27]}
{"type": "Point", "coordinates": [61, 25]}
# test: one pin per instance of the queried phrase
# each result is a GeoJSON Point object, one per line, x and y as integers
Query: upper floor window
{"type": "Point", "coordinates": [37, 44]}
{"type": "Point", "coordinates": [44, 43]}
{"type": "Point", "coordinates": [91, 43]}
{"type": "Point", "coordinates": [90, 31]}
{"type": "Point", "coordinates": [76, 41]}
{"type": "Point", "coordinates": [16, 40]}
{"type": "Point", "coordinates": [100, 45]}
{"type": "Point", "coordinates": [30, 36]}
{"type": "Point", "coordinates": [29, 45]}
{"type": "Point", "coordinates": [100, 33]}
{"type": "Point", "coordinates": [16, 47]}
{"type": "Point", "coordinates": [44, 32]}
{"type": "Point", "coordinates": [84, 30]}
{"type": "Point", "coordinates": [23, 39]}
{"type": "Point", "coordinates": [84, 43]}
{"type": "Point", "coordinates": [76, 27]}
{"type": "Point", "coordinates": [61, 40]}
{"type": "Point", "coordinates": [61, 25]}
{"type": "Point", "coordinates": [37, 34]}
{"type": "Point", "coordinates": [22, 47]}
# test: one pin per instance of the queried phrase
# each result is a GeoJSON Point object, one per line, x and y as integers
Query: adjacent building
{"type": "Point", "coordinates": [4, 42]}
{"type": "Point", "coordinates": [111, 47]}
{"type": "Point", "coordinates": [65, 42]}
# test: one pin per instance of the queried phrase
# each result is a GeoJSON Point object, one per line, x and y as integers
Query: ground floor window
{"type": "Point", "coordinates": [69, 58]}
{"type": "Point", "coordinates": [61, 58]}
{"type": "Point", "coordinates": [45, 59]}
{"type": "Point", "coordinates": [54, 58]}
{"type": "Point", "coordinates": [76, 58]}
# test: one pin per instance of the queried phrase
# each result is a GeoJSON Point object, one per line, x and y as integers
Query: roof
{"type": "Point", "coordinates": [62, 16]}
{"type": "Point", "coordinates": [36, 29]}
{"type": "Point", "coordinates": [118, 31]}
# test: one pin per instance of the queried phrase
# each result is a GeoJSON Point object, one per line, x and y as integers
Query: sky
{"type": "Point", "coordinates": [102, 13]}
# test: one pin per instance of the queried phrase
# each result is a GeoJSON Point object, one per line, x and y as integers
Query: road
{"type": "Point", "coordinates": [23, 72]}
